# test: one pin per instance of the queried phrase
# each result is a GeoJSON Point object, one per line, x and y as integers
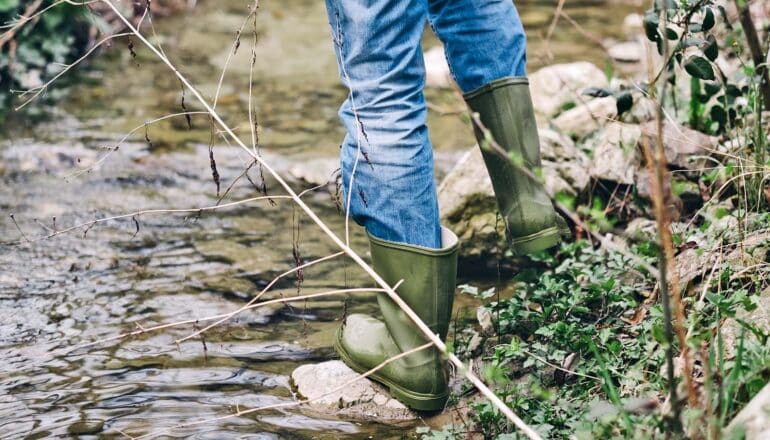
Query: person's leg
{"type": "Point", "coordinates": [486, 49]}
{"type": "Point", "coordinates": [483, 40]}
{"type": "Point", "coordinates": [386, 152]}
{"type": "Point", "coordinates": [388, 157]}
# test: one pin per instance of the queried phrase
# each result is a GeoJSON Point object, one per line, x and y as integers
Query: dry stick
{"type": "Point", "coordinates": [757, 54]}
{"type": "Point", "coordinates": [496, 401]}
{"type": "Point", "coordinates": [143, 330]}
{"type": "Point", "coordinates": [88, 224]}
{"type": "Point", "coordinates": [552, 27]}
{"type": "Point", "coordinates": [124, 138]}
{"type": "Point", "coordinates": [12, 28]}
{"type": "Point", "coordinates": [235, 46]}
{"type": "Point", "coordinates": [23, 19]}
{"type": "Point", "coordinates": [292, 404]}
{"type": "Point", "coordinates": [671, 298]}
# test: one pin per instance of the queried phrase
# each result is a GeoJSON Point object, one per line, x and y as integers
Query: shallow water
{"type": "Point", "coordinates": [96, 283]}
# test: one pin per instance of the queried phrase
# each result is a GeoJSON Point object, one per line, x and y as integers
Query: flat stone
{"type": "Point", "coordinates": [331, 387]}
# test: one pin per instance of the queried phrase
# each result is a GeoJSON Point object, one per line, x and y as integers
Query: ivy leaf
{"type": "Point", "coordinates": [699, 67]}
{"type": "Point", "coordinates": [597, 92]}
{"type": "Point", "coordinates": [733, 91]}
{"type": "Point", "coordinates": [671, 34]}
{"type": "Point", "coordinates": [712, 48]}
{"type": "Point", "coordinates": [651, 23]}
{"type": "Point", "coordinates": [624, 101]}
{"type": "Point", "coordinates": [712, 88]}
{"type": "Point", "coordinates": [719, 115]}
{"type": "Point", "coordinates": [708, 20]}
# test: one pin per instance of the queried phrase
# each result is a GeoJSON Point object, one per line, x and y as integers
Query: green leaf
{"type": "Point", "coordinates": [711, 50]}
{"type": "Point", "coordinates": [719, 114]}
{"type": "Point", "coordinates": [624, 102]}
{"type": "Point", "coordinates": [712, 88]}
{"type": "Point", "coordinates": [651, 23]}
{"type": "Point", "coordinates": [708, 20]}
{"type": "Point", "coordinates": [658, 334]}
{"type": "Point", "coordinates": [699, 67]}
{"type": "Point", "coordinates": [671, 34]}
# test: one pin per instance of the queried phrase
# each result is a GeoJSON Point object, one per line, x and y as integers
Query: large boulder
{"type": "Point", "coordinates": [333, 389]}
{"type": "Point", "coordinates": [555, 87]}
{"type": "Point", "coordinates": [468, 202]}
{"type": "Point", "coordinates": [588, 116]}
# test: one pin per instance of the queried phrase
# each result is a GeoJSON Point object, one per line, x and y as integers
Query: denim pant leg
{"type": "Point", "coordinates": [386, 151]}
{"type": "Point", "coordinates": [483, 39]}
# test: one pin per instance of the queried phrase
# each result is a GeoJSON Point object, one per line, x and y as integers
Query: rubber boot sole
{"type": "Point", "coordinates": [414, 400]}
{"type": "Point", "coordinates": [541, 240]}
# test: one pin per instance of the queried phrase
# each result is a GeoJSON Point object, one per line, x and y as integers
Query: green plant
{"type": "Point", "coordinates": [581, 348]}
{"type": "Point", "coordinates": [32, 51]}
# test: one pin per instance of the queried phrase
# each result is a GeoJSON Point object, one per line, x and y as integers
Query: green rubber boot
{"type": "Point", "coordinates": [419, 380]}
{"type": "Point", "coordinates": [505, 108]}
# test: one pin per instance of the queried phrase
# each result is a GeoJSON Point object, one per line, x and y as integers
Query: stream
{"type": "Point", "coordinates": [129, 274]}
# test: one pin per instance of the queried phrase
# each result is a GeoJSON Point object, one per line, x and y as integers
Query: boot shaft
{"type": "Point", "coordinates": [505, 109]}
{"type": "Point", "coordinates": [428, 286]}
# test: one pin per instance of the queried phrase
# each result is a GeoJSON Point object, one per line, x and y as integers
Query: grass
{"type": "Point", "coordinates": [579, 349]}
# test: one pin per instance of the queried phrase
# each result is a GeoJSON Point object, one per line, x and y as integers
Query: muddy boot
{"type": "Point", "coordinates": [418, 380]}
{"type": "Point", "coordinates": [505, 108]}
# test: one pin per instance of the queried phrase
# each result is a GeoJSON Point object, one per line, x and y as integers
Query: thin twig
{"type": "Point", "coordinates": [91, 223]}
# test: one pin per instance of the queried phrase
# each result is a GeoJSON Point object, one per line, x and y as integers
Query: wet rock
{"type": "Point", "coordinates": [319, 171]}
{"type": "Point", "coordinates": [753, 422]}
{"type": "Point", "coordinates": [615, 153]}
{"type": "Point", "coordinates": [588, 116]}
{"type": "Point", "coordinates": [684, 147]}
{"type": "Point", "coordinates": [468, 203]}
{"type": "Point", "coordinates": [30, 158]}
{"type": "Point", "coordinates": [362, 399]}
{"type": "Point", "coordinates": [437, 72]}
{"type": "Point", "coordinates": [554, 87]}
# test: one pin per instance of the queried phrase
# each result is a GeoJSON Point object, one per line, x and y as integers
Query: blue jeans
{"type": "Point", "coordinates": [387, 152]}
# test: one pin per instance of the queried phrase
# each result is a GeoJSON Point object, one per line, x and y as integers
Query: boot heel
{"type": "Point", "coordinates": [545, 239]}
{"type": "Point", "coordinates": [419, 402]}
